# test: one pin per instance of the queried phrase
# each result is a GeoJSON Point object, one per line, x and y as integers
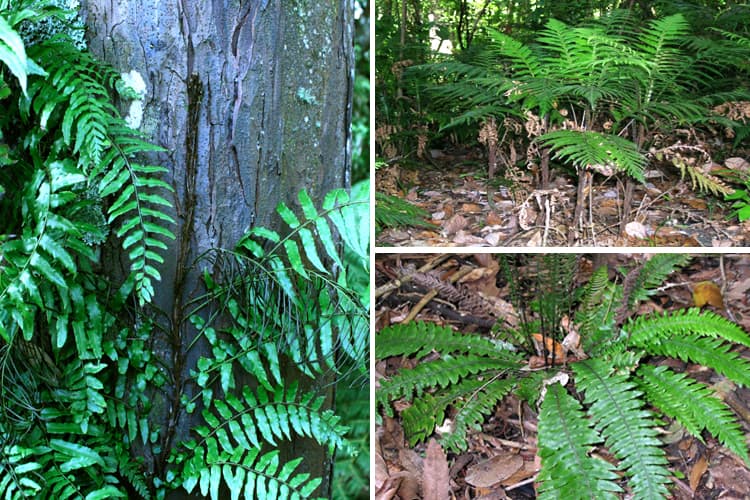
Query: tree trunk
{"type": "Point", "coordinates": [252, 101]}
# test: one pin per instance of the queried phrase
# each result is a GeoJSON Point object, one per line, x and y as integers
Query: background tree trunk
{"type": "Point", "coordinates": [252, 101]}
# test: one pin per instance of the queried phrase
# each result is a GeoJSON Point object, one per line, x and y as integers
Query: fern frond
{"type": "Point", "coordinates": [596, 311]}
{"type": "Point", "coordinates": [565, 437]}
{"type": "Point", "coordinates": [442, 373]}
{"type": "Point", "coordinates": [267, 417]}
{"type": "Point", "coordinates": [709, 352]}
{"type": "Point", "coordinates": [247, 474]}
{"type": "Point", "coordinates": [229, 451]}
{"type": "Point", "coordinates": [653, 273]}
{"type": "Point", "coordinates": [420, 338]}
{"type": "Point", "coordinates": [619, 416]}
{"type": "Point", "coordinates": [526, 64]}
{"type": "Point", "coordinates": [586, 148]}
{"type": "Point", "coordinates": [472, 410]}
{"type": "Point", "coordinates": [391, 211]}
{"type": "Point", "coordinates": [693, 405]}
{"type": "Point", "coordinates": [701, 180]}
{"type": "Point", "coordinates": [649, 329]}
{"type": "Point", "coordinates": [428, 411]}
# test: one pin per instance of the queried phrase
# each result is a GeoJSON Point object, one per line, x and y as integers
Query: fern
{"type": "Point", "coordinates": [565, 436]}
{"type": "Point", "coordinates": [652, 274]}
{"type": "Point", "coordinates": [395, 212]}
{"type": "Point", "coordinates": [626, 426]}
{"type": "Point", "coordinates": [707, 352]}
{"type": "Point", "coordinates": [693, 405]}
{"type": "Point", "coordinates": [472, 409]}
{"type": "Point", "coordinates": [585, 149]}
{"type": "Point", "coordinates": [614, 377]}
{"type": "Point", "coordinates": [420, 338]}
{"type": "Point", "coordinates": [646, 330]}
{"type": "Point", "coordinates": [229, 450]}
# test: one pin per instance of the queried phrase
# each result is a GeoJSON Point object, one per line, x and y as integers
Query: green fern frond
{"type": "Point", "coordinates": [693, 405]}
{"type": "Point", "coordinates": [441, 373]}
{"type": "Point", "coordinates": [427, 412]}
{"type": "Point", "coordinates": [391, 211]}
{"type": "Point", "coordinates": [649, 329]}
{"type": "Point", "coordinates": [595, 313]}
{"type": "Point", "coordinates": [585, 148]}
{"type": "Point", "coordinates": [653, 273]}
{"type": "Point", "coordinates": [420, 338]}
{"type": "Point", "coordinates": [565, 437]}
{"type": "Point", "coordinates": [247, 474]}
{"type": "Point", "coordinates": [271, 417]}
{"type": "Point", "coordinates": [628, 429]}
{"type": "Point", "coordinates": [229, 451]}
{"type": "Point", "coordinates": [710, 352]}
{"type": "Point", "coordinates": [526, 64]}
{"type": "Point", "coordinates": [472, 410]}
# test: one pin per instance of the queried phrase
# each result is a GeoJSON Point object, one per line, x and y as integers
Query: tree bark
{"type": "Point", "coordinates": [252, 102]}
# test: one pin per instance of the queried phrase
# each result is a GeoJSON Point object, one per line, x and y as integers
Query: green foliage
{"type": "Point", "coordinates": [565, 436]}
{"type": "Point", "coordinates": [629, 431]}
{"type": "Point", "coordinates": [455, 377]}
{"type": "Point", "coordinates": [618, 385]}
{"type": "Point", "coordinates": [83, 362]}
{"type": "Point", "coordinates": [594, 95]}
{"type": "Point", "coordinates": [395, 212]}
{"type": "Point", "coordinates": [587, 149]}
{"type": "Point", "coordinates": [301, 298]}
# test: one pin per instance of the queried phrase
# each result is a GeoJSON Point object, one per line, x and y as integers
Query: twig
{"type": "Point", "coordinates": [396, 284]}
{"type": "Point", "coordinates": [431, 295]}
{"type": "Point", "coordinates": [521, 483]}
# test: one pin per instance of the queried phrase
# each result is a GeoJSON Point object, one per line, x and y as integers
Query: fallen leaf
{"type": "Point", "coordinates": [470, 208]}
{"type": "Point", "coordinates": [699, 468]}
{"type": "Point", "coordinates": [708, 292]}
{"type": "Point", "coordinates": [492, 471]}
{"type": "Point", "coordinates": [494, 220]}
{"type": "Point", "coordinates": [737, 163]}
{"type": "Point", "coordinates": [549, 345]}
{"type": "Point", "coordinates": [454, 224]}
{"type": "Point", "coordinates": [635, 229]}
{"type": "Point", "coordinates": [696, 203]}
{"type": "Point", "coordinates": [435, 479]}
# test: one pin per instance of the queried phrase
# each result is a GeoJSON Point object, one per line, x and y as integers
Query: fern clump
{"type": "Point", "coordinates": [614, 398]}
{"type": "Point", "coordinates": [85, 364]}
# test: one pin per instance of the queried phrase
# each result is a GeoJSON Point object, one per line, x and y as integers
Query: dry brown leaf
{"type": "Point", "coordinates": [435, 479]}
{"type": "Point", "coordinates": [708, 292]}
{"type": "Point", "coordinates": [454, 224]}
{"type": "Point", "coordinates": [494, 220]}
{"type": "Point", "coordinates": [492, 471]}
{"type": "Point", "coordinates": [699, 468]}
{"type": "Point", "coordinates": [471, 208]}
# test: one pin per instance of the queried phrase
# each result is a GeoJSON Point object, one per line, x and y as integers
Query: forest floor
{"type": "Point", "coordinates": [505, 449]}
{"type": "Point", "coordinates": [467, 209]}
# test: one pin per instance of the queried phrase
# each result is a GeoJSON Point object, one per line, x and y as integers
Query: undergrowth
{"type": "Point", "coordinates": [81, 350]}
{"type": "Point", "coordinates": [611, 395]}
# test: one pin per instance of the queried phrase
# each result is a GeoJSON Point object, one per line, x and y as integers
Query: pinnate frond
{"type": "Point", "coordinates": [420, 338]}
{"type": "Point", "coordinates": [648, 329]}
{"type": "Point", "coordinates": [693, 405]}
{"type": "Point", "coordinates": [585, 148]}
{"type": "Point", "coordinates": [619, 416]}
{"type": "Point", "coordinates": [565, 439]}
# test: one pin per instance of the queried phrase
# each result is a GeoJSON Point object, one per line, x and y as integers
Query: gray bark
{"type": "Point", "coordinates": [251, 100]}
